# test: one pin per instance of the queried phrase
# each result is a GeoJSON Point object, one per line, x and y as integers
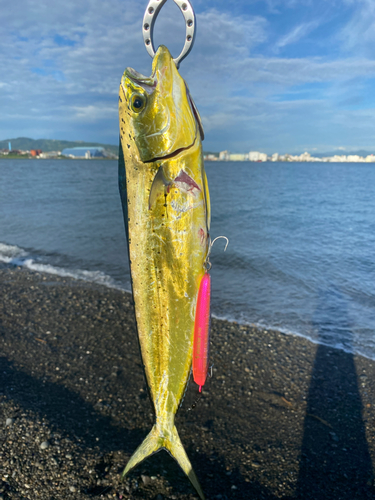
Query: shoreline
{"type": "Point", "coordinates": [106, 282]}
{"type": "Point", "coordinates": [282, 417]}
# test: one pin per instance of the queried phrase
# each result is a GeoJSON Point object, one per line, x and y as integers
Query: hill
{"type": "Point", "coordinates": [341, 152]}
{"type": "Point", "coordinates": [46, 145]}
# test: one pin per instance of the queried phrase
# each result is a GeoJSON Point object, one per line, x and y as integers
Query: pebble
{"type": "Point", "coordinates": [82, 460]}
{"type": "Point", "coordinates": [334, 436]}
{"type": "Point", "coordinates": [9, 421]}
{"type": "Point", "coordinates": [145, 480]}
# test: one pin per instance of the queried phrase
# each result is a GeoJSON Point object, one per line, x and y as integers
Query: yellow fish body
{"type": "Point", "coordinates": [166, 206]}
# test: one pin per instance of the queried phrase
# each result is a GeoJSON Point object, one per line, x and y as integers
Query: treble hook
{"type": "Point", "coordinates": [152, 11]}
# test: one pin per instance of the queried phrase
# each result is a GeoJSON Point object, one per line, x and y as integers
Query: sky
{"type": "Point", "coordinates": [283, 76]}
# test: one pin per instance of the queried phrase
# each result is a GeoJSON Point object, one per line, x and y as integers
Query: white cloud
{"type": "Point", "coordinates": [358, 34]}
{"type": "Point", "coordinates": [94, 112]}
{"type": "Point", "coordinates": [229, 34]}
{"type": "Point", "coordinates": [63, 63]}
{"type": "Point", "coordinates": [296, 34]}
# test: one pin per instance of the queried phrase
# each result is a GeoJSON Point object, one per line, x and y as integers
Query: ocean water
{"type": "Point", "coordinates": [301, 254]}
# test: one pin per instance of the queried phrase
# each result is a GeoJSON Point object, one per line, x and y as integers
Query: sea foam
{"type": "Point", "coordinates": [16, 256]}
{"type": "Point", "coordinates": [10, 252]}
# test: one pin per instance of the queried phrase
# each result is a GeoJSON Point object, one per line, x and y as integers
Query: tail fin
{"type": "Point", "coordinates": [158, 439]}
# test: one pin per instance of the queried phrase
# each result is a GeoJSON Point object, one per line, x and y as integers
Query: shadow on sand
{"type": "Point", "coordinates": [65, 410]}
{"type": "Point", "coordinates": [334, 448]}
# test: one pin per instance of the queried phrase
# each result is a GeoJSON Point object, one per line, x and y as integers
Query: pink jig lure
{"type": "Point", "coordinates": [202, 332]}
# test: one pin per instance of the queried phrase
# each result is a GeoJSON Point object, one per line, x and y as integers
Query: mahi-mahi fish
{"type": "Point", "coordinates": [166, 206]}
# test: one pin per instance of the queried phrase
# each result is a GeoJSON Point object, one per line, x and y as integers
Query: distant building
{"type": "Point", "coordinates": [35, 152]}
{"type": "Point", "coordinates": [210, 157]}
{"type": "Point", "coordinates": [337, 158]}
{"type": "Point", "coordinates": [305, 156]}
{"type": "Point", "coordinates": [354, 158]}
{"type": "Point", "coordinates": [275, 157]}
{"type": "Point", "coordinates": [50, 154]}
{"type": "Point", "coordinates": [256, 156]}
{"type": "Point", "coordinates": [237, 157]}
{"type": "Point", "coordinates": [81, 152]}
{"type": "Point", "coordinates": [223, 155]}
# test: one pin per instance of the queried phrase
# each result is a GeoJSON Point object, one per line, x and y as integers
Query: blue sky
{"type": "Point", "coordinates": [267, 75]}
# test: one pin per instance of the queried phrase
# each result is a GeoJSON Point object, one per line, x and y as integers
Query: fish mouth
{"type": "Point", "coordinates": [148, 83]}
{"type": "Point", "coordinates": [173, 154]}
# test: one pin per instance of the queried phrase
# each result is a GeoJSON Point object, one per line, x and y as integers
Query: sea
{"type": "Point", "coordinates": [301, 253]}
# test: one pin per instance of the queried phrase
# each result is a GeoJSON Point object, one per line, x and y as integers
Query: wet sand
{"type": "Point", "coordinates": [281, 417]}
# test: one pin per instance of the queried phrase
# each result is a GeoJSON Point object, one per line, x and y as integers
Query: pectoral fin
{"type": "Point", "coordinates": [160, 187]}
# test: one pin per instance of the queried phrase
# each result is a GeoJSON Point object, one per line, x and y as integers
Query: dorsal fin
{"type": "Point", "coordinates": [196, 112]}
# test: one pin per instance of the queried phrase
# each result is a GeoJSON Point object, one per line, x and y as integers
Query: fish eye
{"type": "Point", "coordinates": [138, 102]}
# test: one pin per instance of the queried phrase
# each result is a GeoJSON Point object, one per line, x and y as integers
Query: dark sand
{"type": "Point", "coordinates": [281, 417]}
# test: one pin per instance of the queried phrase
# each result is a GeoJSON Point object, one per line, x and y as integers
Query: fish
{"type": "Point", "coordinates": [166, 205]}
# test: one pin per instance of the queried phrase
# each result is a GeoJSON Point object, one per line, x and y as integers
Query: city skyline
{"type": "Point", "coordinates": [24, 145]}
{"type": "Point", "coordinates": [51, 149]}
{"type": "Point", "coordinates": [258, 156]}
{"type": "Point", "coordinates": [270, 75]}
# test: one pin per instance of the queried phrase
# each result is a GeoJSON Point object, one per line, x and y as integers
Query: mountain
{"type": "Point", "coordinates": [46, 145]}
{"type": "Point", "coordinates": [341, 152]}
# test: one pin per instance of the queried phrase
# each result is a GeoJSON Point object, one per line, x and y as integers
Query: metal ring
{"type": "Point", "coordinates": [152, 11]}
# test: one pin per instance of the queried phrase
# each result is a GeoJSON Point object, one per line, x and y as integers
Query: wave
{"type": "Point", "coordinates": [16, 256]}
{"type": "Point", "coordinates": [10, 252]}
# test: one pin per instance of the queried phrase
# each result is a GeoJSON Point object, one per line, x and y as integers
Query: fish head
{"type": "Point", "coordinates": [157, 111]}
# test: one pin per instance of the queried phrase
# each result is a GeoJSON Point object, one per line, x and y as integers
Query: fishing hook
{"type": "Point", "coordinates": [151, 13]}
{"type": "Point", "coordinates": [207, 263]}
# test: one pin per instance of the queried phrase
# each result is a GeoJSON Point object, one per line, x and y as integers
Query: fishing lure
{"type": "Point", "coordinates": [202, 325]}
{"type": "Point", "coordinates": [202, 332]}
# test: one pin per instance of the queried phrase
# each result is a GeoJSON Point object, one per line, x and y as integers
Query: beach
{"type": "Point", "coordinates": [281, 417]}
